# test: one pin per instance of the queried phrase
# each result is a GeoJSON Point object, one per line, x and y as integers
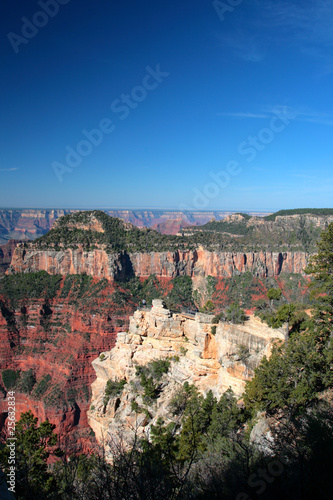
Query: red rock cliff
{"type": "Point", "coordinates": [199, 262]}
{"type": "Point", "coordinates": [77, 331]}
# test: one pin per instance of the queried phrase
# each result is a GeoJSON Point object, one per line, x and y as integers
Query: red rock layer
{"type": "Point", "coordinates": [64, 350]}
{"type": "Point", "coordinates": [199, 262]}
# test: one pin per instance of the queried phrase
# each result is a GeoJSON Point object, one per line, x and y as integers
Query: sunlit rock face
{"type": "Point", "coordinates": [199, 262]}
{"type": "Point", "coordinates": [197, 356]}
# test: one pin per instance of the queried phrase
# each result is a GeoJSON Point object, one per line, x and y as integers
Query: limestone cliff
{"type": "Point", "coordinates": [210, 362]}
{"type": "Point", "coordinates": [200, 262]}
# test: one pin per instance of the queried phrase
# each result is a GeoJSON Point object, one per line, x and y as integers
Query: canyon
{"type": "Point", "coordinates": [58, 348]}
{"type": "Point", "coordinates": [28, 224]}
{"type": "Point", "coordinates": [57, 337]}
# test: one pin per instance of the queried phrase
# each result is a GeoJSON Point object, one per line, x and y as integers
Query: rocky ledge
{"type": "Point", "coordinates": [195, 352]}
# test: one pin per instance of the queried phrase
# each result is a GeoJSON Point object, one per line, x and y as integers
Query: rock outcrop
{"type": "Point", "coordinates": [196, 355]}
{"type": "Point", "coordinates": [6, 255]}
{"type": "Point", "coordinates": [192, 263]}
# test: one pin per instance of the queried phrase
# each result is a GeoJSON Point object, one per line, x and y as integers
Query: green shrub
{"type": "Point", "coordinates": [32, 285]}
{"type": "Point", "coordinates": [218, 318]}
{"type": "Point", "coordinates": [208, 307]}
{"type": "Point", "coordinates": [10, 378]}
{"type": "Point", "coordinates": [27, 381]}
{"type": "Point", "coordinates": [235, 314]}
{"type": "Point", "coordinates": [42, 386]}
{"type": "Point", "coordinates": [135, 407]}
{"type": "Point", "coordinates": [157, 368]}
{"type": "Point", "coordinates": [55, 397]}
{"type": "Point", "coordinates": [243, 352]}
{"type": "Point", "coordinates": [113, 388]}
{"type": "Point", "coordinates": [213, 330]}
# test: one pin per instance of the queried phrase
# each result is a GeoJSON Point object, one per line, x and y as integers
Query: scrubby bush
{"type": "Point", "coordinates": [27, 381]}
{"type": "Point", "coordinates": [10, 378]}
{"type": "Point", "coordinates": [113, 388]}
{"type": "Point", "coordinates": [42, 386]}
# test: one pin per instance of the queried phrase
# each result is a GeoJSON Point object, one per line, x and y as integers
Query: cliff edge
{"type": "Point", "coordinates": [172, 349]}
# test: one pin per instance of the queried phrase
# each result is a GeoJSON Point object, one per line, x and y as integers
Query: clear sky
{"type": "Point", "coordinates": [173, 104]}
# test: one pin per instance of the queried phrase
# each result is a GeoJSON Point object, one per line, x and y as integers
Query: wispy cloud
{"type": "Point", "coordinates": [299, 114]}
{"type": "Point", "coordinates": [242, 114]}
{"type": "Point", "coordinates": [243, 45]}
{"type": "Point", "coordinates": [8, 169]}
{"type": "Point", "coordinates": [309, 21]}
{"type": "Point", "coordinates": [304, 27]}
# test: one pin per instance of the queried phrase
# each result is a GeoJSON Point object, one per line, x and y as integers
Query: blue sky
{"type": "Point", "coordinates": [196, 105]}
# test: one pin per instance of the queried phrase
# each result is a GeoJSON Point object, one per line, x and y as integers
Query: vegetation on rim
{"type": "Point", "coordinates": [241, 235]}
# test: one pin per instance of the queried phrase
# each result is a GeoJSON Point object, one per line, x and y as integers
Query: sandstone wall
{"type": "Point", "coordinates": [199, 262]}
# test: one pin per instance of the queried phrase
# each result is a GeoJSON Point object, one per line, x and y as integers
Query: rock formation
{"type": "Point", "coordinates": [197, 356]}
{"type": "Point", "coordinates": [62, 350]}
{"type": "Point", "coordinates": [192, 263]}
{"type": "Point", "coordinates": [6, 254]}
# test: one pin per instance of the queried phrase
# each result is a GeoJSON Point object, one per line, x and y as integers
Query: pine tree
{"type": "Point", "coordinates": [321, 269]}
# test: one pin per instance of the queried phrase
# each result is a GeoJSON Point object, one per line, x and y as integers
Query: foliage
{"type": "Point", "coordinates": [274, 294]}
{"type": "Point", "coordinates": [77, 284]}
{"type": "Point", "coordinates": [243, 353]}
{"type": "Point", "coordinates": [321, 268]}
{"type": "Point", "coordinates": [55, 396]}
{"type": "Point", "coordinates": [32, 449]}
{"type": "Point", "coordinates": [235, 314]}
{"type": "Point", "coordinates": [293, 315]}
{"type": "Point", "coordinates": [27, 381]}
{"type": "Point", "coordinates": [211, 283]}
{"type": "Point", "coordinates": [42, 386]}
{"type": "Point", "coordinates": [291, 378]}
{"type": "Point", "coordinates": [116, 236]}
{"type": "Point", "coordinates": [113, 388]}
{"type": "Point", "coordinates": [300, 211]}
{"type": "Point", "coordinates": [158, 368]}
{"type": "Point", "coordinates": [181, 293]}
{"type": "Point", "coordinates": [119, 237]}
{"type": "Point", "coordinates": [208, 307]}
{"type": "Point", "coordinates": [218, 317]}
{"type": "Point", "coordinates": [10, 378]}
{"type": "Point", "coordinates": [204, 420]}
{"type": "Point", "coordinates": [150, 375]}
{"type": "Point", "coordinates": [18, 286]}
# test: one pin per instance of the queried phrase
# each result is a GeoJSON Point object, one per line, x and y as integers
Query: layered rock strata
{"type": "Point", "coordinates": [62, 351]}
{"type": "Point", "coordinates": [199, 262]}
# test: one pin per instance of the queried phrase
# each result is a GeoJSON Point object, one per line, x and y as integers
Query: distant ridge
{"type": "Point", "coordinates": [300, 211]}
